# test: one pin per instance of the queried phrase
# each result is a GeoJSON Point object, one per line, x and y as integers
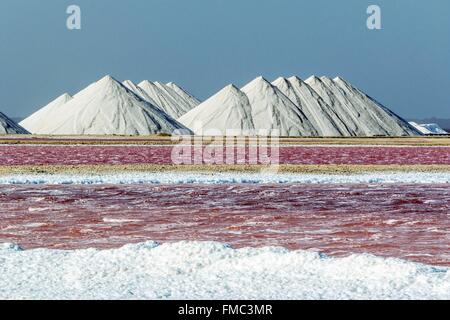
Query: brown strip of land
{"type": "Point", "coordinates": [167, 140]}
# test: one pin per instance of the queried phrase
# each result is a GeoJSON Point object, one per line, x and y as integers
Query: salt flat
{"type": "Point", "coordinates": [228, 177]}
{"type": "Point", "coordinates": [209, 270]}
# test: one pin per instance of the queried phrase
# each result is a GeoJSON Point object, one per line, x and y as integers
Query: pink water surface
{"type": "Point", "coordinates": [74, 155]}
{"type": "Point", "coordinates": [405, 221]}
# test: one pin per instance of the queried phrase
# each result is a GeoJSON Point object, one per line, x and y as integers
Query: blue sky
{"type": "Point", "coordinates": [205, 44]}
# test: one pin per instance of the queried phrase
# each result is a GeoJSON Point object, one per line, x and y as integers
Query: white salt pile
{"type": "Point", "coordinates": [316, 107]}
{"type": "Point", "coordinates": [106, 107]}
{"type": "Point", "coordinates": [166, 98]}
{"type": "Point", "coordinates": [8, 126]}
{"type": "Point", "coordinates": [229, 109]}
{"type": "Point", "coordinates": [428, 128]}
{"type": "Point", "coordinates": [40, 119]}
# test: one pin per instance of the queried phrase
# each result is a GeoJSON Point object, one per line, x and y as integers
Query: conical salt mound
{"type": "Point", "coordinates": [272, 110]}
{"type": "Point", "coordinates": [183, 104]}
{"type": "Point", "coordinates": [388, 123]}
{"type": "Point", "coordinates": [38, 120]}
{"type": "Point", "coordinates": [107, 107]}
{"type": "Point", "coordinates": [433, 128]}
{"type": "Point", "coordinates": [340, 105]}
{"type": "Point", "coordinates": [165, 98]}
{"type": "Point", "coordinates": [193, 101]}
{"type": "Point", "coordinates": [8, 126]}
{"type": "Point", "coordinates": [320, 114]}
{"type": "Point", "coordinates": [130, 85]}
{"type": "Point", "coordinates": [428, 128]}
{"type": "Point", "coordinates": [228, 110]}
{"type": "Point", "coordinates": [362, 116]}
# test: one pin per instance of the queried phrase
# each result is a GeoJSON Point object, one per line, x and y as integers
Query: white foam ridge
{"type": "Point", "coordinates": [228, 178]}
{"type": "Point", "coordinates": [210, 270]}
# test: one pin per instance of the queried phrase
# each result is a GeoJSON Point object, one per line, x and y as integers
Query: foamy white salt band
{"type": "Point", "coordinates": [222, 178]}
{"type": "Point", "coordinates": [208, 270]}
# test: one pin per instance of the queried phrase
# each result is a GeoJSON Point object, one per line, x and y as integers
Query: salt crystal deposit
{"type": "Point", "coordinates": [165, 98]}
{"type": "Point", "coordinates": [429, 128]}
{"type": "Point", "coordinates": [184, 104]}
{"type": "Point", "coordinates": [130, 85]}
{"type": "Point", "coordinates": [288, 107]}
{"type": "Point", "coordinates": [8, 126]}
{"type": "Point", "coordinates": [434, 128]}
{"type": "Point", "coordinates": [321, 115]}
{"type": "Point", "coordinates": [210, 270]}
{"type": "Point", "coordinates": [193, 101]}
{"type": "Point", "coordinates": [41, 118]}
{"type": "Point", "coordinates": [387, 119]}
{"type": "Point", "coordinates": [348, 117]}
{"type": "Point", "coordinates": [272, 110]}
{"type": "Point", "coordinates": [362, 115]}
{"type": "Point", "coordinates": [229, 109]}
{"type": "Point", "coordinates": [108, 107]}
{"type": "Point", "coordinates": [316, 107]}
{"type": "Point", "coordinates": [228, 178]}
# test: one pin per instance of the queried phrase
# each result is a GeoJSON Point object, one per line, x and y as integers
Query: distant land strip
{"type": "Point", "coordinates": [166, 140]}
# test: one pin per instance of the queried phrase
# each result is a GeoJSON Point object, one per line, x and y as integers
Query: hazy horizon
{"type": "Point", "coordinates": [204, 45]}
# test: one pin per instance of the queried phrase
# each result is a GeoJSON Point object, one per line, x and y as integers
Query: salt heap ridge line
{"type": "Point", "coordinates": [330, 98]}
{"type": "Point", "coordinates": [193, 101]}
{"type": "Point", "coordinates": [289, 107]}
{"type": "Point", "coordinates": [272, 110]}
{"type": "Point", "coordinates": [108, 107]}
{"type": "Point", "coordinates": [183, 103]}
{"type": "Point", "coordinates": [138, 91]}
{"type": "Point", "coordinates": [434, 128]}
{"type": "Point", "coordinates": [229, 109]}
{"type": "Point", "coordinates": [363, 115]}
{"type": "Point", "coordinates": [386, 117]}
{"type": "Point", "coordinates": [316, 107]}
{"type": "Point", "coordinates": [165, 98]}
{"type": "Point", "coordinates": [38, 120]}
{"type": "Point", "coordinates": [428, 128]}
{"type": "Point", "coordinates": [322, 116]}
{"type": "Point", "coordinates": [8, 126]}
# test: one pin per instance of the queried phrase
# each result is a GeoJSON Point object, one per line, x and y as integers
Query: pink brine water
{"type": "Point", "coordinates": [75, 155]}
{"type": "Point", "coordinates": [405, 221]}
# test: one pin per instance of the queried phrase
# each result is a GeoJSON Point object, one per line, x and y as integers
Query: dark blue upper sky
{"type": "Point", "coordinates": [205, 44]}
